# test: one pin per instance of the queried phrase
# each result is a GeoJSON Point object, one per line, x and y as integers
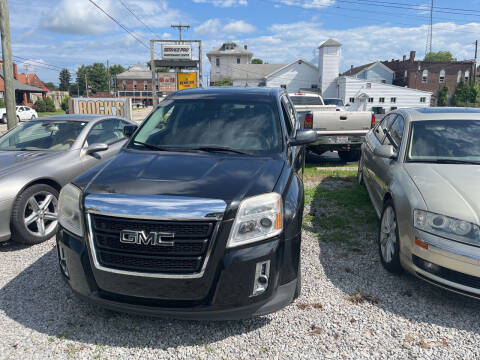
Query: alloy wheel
{"type": "Point", "coordinates": [41, 214]}
{"type": "Point", "coordinates": [388, 234]}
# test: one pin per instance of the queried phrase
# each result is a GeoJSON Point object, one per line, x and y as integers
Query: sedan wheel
{"type": "Point", "coordinates": [388, 239]}
{"type": "Point", "coordinates": [35, 214]}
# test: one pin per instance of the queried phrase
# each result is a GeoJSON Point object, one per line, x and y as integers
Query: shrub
{"type": "Point", "coordinates": [40, 105]}
{"type": "Point", "coordinates": [2, 103]}
{"type": "Point", "coordinates": [64, 103]}
{"type": "Point", "coordinates": [50, 105]}
{"type": "Point", "coordinates": [443, 96]}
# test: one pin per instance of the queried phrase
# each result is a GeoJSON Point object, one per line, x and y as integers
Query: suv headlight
{"type": "Point", "coordinates": [69, 209]}
{"type": "Point", "coordinates": [258, 218]}
{"type": "Point", "coordinates": [447, 227]}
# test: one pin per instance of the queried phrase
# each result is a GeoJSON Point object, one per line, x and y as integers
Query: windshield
{"type": "Point", "coordinates": [190, 124]}
{"type": "Point", "coordinates": [42, 135]}
{"type": "Point", "coordinates": [337, 102]}
{"type": "Point", "coordinates": [444, 141]}
{"type": "Point", "coordinates": [306, 100]}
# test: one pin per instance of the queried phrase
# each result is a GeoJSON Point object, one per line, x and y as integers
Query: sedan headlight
{"type": "Point", "coordinates": [447, 227]}
{"type": "Point", "coordinates": [258, 218]}
{"type": "Point", "coordinates": [69, 209]}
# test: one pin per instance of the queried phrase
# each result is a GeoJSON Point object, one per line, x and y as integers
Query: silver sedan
{"type": "Point", "coordinates": [38, 157]}
{"type": "Point", "coordinates": [421, 168]}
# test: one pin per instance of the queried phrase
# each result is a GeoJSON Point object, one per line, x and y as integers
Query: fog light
{"type": "Point", "coordinates": [431, 267]}
{"type": "Point", "coordinates": [260, 282]}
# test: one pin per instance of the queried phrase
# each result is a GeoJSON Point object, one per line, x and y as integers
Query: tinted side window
{"type": "Point", "coordinates": [289, 116]}
{"type": "Point", "coordinates": [396, 131]}
{"type": "Point", "coordinates": [384, 124]}
{"type": "Point", "coordinates": [106, 132]}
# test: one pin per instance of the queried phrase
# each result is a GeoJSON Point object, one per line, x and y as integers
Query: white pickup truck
{"type": "Point", "coordinates": [342, 131]}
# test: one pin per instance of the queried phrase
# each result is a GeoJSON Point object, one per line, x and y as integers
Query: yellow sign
{"type": "Point", "coordinates": [186, 80]}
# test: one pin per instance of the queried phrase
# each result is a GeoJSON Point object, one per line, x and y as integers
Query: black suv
{"type": "Point", "coordinates": [198, 216]}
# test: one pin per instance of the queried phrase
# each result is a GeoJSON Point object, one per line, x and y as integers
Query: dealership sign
{"type": "Point", "coordinates": [176, 51]}
{"type": "Point", "coordinates": [187, 80]}
{"type": "Point", "coordinates": [167, 82]}
{"type": "Point", "coordinates": [101, 106]}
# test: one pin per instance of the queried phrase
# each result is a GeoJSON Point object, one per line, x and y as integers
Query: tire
{"type": "Point", "coordinates": [388, 239]}
{"type": "Point", "coordinates": [18, 118]}
{"type": "Point", "coordinates": [38, 205]}
{"type": "Point", "coordinates": [33, 117]}
{"type": "Point", "coordinates": [349, 156]}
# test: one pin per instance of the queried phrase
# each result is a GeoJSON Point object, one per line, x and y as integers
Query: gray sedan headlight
{"type": "Point", "coordinates": [447, 227]}
{"type": "Point", "coordinates": [258, 218]}
{"type": "Point", "coordinates": [69, 209]}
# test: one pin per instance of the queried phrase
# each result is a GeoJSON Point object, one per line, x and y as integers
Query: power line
{"type": "Point", "coordinates": [138, 18]}
{"type": "Point", "coordinates": [119, 24]}
{"type": "Point", "coordinates": [38, 63]}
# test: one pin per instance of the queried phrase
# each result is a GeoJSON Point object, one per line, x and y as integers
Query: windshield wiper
{"type": "Point", "coordinates": [219, 149]}
{"type": "Point", "coordinates": [448, 161]}
{"type": "Point", "coordinates": [156, 147]}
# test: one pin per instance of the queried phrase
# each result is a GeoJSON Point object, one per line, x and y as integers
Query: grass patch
{"type": "Point", "coordinates": [58, 112]}
{"type": "Point", "coordinates": [340, 211]}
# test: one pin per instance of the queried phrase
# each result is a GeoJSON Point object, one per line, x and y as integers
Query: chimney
{"type": "Point", "coordinates": [15, 73]}
{"type": "Point", "coordinates": [245, 47]}
{"type": "Point", "coordinates": [412, 55]}
{"type": "Point", "coordinates": [393, 60]}
{"type": "Point", "coordinates": [351, 67]}
{"type": "Point", "coordinates": [404, 57]}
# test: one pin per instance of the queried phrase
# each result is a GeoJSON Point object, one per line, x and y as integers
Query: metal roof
{"type": "Point", "coordinates": [254, 71]}
{"type": "Point", "coordinates": [138, 71]}
{"type": "Point", "coordinates": [225, 50]}
{"type": "Point", "coordinates": [330, 42]}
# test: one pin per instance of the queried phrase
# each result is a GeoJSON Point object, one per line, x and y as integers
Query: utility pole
{"type": "Point", "coordinates": [475, 63]}
{"type": "Point", "coordinates": [86, 85]}
{"type": "Point", "coordinates": [7, 65]}
{"type": "Point", "coordinates": [108, 76]}
{"type": "Point", "coordinates": [154, 74]}
{"type": "Point", "coordinates": [180, 27]}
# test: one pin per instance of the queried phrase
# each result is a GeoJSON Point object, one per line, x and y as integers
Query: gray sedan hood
{"type": "Point", "coordinates": [449, 189]}
{"type": "Point", "coordinates": [15, 160]}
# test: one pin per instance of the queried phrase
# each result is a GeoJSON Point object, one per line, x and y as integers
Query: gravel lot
{"type": "Point", "coordinates": [349, 308]}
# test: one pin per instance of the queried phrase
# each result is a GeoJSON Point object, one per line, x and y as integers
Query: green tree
{"type": "Point", "coordinates": [64, 104]}
{"type": "Point", "coordinates": [114, 71]}
{"type": "Point", "coordinates": [97, 77]}
{"type": "Point", "coordinates": [466, 94]}
{"type": "Point", "coordinates": [440, 56]}
{"type": "Point", "coordinates": [443, 96]}
{"type": "Point", "coordinates": [40, 105]}
{"type": "Point", "coordinates": [158, 69]}
{"type": "Point", "coordinates": [50, 105]}
{"type": "Point", "coordinates": [81, 72]}
{"type": "Point", "coordinates": [51, 86]}
{"type": "Point", "coordinates": [257, 61]}
{"type": "Point", "coordinates": [64, 77]}
{"type": "Point", "coordinates": [224, 82]}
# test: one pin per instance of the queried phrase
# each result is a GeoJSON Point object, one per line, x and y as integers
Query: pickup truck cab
{"type": "Point", "coordinates": [199, 216]}
{"type": "Point", "coordinates": [342, 131]}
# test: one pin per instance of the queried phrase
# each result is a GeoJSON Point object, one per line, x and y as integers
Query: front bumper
{"type": "Point", "coordinates": [446, 263]}
{"type": "Point", "coordinates": [224, 292]}
{"type": "Point", "coordinates": [5, 215]}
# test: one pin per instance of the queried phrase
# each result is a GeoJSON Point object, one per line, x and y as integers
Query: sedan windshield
{"type": "Point", "coordinates": [211, 125]}
{"type": "Point", "coordinates": [42, 135]}
{"type": "Point", "coordinates": [445, 141]}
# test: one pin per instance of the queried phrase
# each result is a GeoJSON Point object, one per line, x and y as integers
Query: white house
{"type": "Point", "coordinates": [298, 74]}
{"type": "Point", "coordinates": [224, 58]}
{"type": "Point", "coordinates": [366, 87]}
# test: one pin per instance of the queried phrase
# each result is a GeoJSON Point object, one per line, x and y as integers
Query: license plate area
{"type": "Point", "coordinates": [341, 140]}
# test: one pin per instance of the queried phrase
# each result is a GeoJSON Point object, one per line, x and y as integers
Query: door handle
{"type": "Point", "coordinates": [343, 118]}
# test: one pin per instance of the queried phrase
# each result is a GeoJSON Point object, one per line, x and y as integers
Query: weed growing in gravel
{"type": "Point", "coordinates": [359, 298]}
{"type": "Point", "coordinates": [338, 209]}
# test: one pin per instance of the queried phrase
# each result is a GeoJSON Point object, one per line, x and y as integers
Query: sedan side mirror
{"type": "Point", "coordinates": [97, 147]}
{"type": "Point", "coordinates": [303, 137]}
{"type": "Point", "coordinates": [385, 151]}
{"type": "Point", "coordinates": [128, 130]}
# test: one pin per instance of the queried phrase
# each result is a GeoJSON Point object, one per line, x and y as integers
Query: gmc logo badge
{"type": "Point", "coordinates": [141, 238]}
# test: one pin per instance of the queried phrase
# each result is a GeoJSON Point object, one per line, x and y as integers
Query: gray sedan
{"type": "Point", "coordinates": [38, 157]}
{"type": "Point", "coordinates": [421, 168]}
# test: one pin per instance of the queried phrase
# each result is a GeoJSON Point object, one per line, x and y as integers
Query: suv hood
{"type": "Point", "coordinates": [449, 189]}
{"type": "Point", "coordinates": [205, 175]}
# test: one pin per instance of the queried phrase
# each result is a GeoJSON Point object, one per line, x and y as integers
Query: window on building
{"type": "Point", "coordinates": [370, 100]}
{"type": "Point", "coordinates": [330, 50]}
{"type": "Point", "coordinates": [156, 87]}
{"type": "Point", "coordinates": [384, 81]}
{"type": "Point", "coordinates": [467, 76]}
{"type": "Point", "coordinates": [134, 84]}
{"type": "Point", "coordinates": [393, 108]}
{"type": "Point", "coordinates": [423, 99]}
{"type": "Point", "coordinates": [382, 99]}
{"type": "Point", "coordinates": [442, 76]}
{"type": "Point", "coordinates": [217, 61]}
{"type": "Point", "coordinates": [459, 76]}
{"type": "Point", "coordinates": [124, 85]}
{"type": "Point", "coordinates": [368, 85]}
{"type": "Point", "coordinates": [351, 100]}
{"type": "Point", "coordinates": [425, 76]}
{"type": "Point", "coordinates": [405, 74]}
{"type": "Point", "coordinates": [393, 99]}
{"type": "Point", "coordinates": [145, 85]}
{"type": "Point", "coordinates": [238, 60]}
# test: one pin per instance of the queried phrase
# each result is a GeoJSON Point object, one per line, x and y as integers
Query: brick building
{"type": "Point", "coordinates": [24, 93]}
{"type": "Point", "coordinates": [430, 76]}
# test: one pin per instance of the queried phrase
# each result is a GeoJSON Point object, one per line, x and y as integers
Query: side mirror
{"type": "Point", "coordinates": [128, 130]}
{"type": "Point", "coordinates": [303, 137]}
{"type": "Point", "coordinates": [385, 151]}
{"type": "Point", "coordinates": [97, 147]}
